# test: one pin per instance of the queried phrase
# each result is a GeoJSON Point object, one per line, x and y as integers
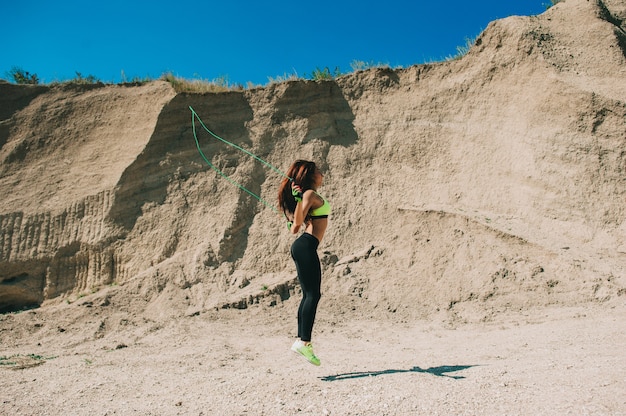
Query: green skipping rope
{"type": "Point", "coordinates": [195, 115]}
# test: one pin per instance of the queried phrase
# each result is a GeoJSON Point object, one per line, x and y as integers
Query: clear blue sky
{"type": "Point", "coordinates": [238, 40]}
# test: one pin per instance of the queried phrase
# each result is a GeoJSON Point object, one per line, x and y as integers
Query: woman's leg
{"type": "Point", "coordinates": [304, 253]}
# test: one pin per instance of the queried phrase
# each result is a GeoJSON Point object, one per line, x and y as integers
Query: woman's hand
{"type": "Point", "coordinates": [293, 228]}
{"type": "Point", "coordinates": [296, 191]}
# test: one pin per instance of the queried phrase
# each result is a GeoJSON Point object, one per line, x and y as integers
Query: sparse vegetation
{"type": "Point", "coordinates": [135, 79]}
{"type": "Point", "coordinates": [219, 84]}
{"type": "Point", "coordinates": [462, 50]}
{"type": "Point", "coordinates": [21, 76]}
{"type": "Point", "coordinates": [325, 74]}
{"type": "Point", "coordinates": [80, 79]}
{"type": "Point", "coordinates": [20, 361]}
{"type": "Point", "coordinates": [283, 78]}
{"type": "Point", "coordinates": [362, 65]}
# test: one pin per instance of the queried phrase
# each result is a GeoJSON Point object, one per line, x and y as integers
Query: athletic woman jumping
{"type": "Point", "coordinates": [303, 206]}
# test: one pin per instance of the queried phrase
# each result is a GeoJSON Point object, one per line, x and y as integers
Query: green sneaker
{"type": "Point", "coordinates": [306, 351]}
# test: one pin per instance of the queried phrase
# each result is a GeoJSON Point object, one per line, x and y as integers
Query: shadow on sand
{"type": "Point", "coordinates": [440, 371]}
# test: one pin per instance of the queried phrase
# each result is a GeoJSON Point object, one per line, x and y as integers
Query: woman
{"type": "Point", "coordinates": [303, 206]}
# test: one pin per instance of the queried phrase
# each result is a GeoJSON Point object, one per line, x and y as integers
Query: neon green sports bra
{"type": "Point", "coordinates": [321, 212]}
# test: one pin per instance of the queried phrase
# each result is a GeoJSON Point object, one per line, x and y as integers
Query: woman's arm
{"type": "Point", "coordinates": [302, 208]}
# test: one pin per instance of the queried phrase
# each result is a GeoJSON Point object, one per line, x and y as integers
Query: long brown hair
{"type": "Point", "coordinates": [301, 173]}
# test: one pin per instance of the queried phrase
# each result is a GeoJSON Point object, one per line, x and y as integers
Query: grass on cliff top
{"type": "Point", "coordinates": [220, 84]}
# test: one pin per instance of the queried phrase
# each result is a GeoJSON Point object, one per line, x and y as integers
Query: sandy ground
{"type": "Point", "coordinates": [551, 361]}
{"type": "Point", "coordinates": [485, 193]}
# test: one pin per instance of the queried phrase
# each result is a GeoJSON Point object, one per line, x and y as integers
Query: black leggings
{"type": "Point", "coordinates": [304, 254]}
